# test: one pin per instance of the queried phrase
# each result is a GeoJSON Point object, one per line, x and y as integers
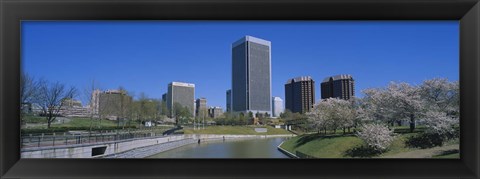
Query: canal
{"type": "Point", "coordinates": [245, 148]}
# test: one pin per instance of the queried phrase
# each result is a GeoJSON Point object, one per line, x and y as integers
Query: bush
{"type": "Point", "coordinates": [429, 140]}
{"type": "Point", "coordinates": [439, 123]}
{"type": "Point", "coordinates": [376, 136]}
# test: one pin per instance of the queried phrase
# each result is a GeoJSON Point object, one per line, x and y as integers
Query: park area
{"type": "Point", "coordinates": [405, 144]}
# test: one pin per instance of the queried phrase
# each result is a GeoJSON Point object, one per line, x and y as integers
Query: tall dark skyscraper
{"type": "Point", "coordinates": [251, 76]}
{"type": "Point", "coordinates": [229, 101]}
{"type": "Point", "coordinates": [339, 86]}
{"type": "Point", "coordinates": [300, 94]}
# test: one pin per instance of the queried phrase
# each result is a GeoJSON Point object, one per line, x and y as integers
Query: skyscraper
{"type": "Point", "coordinates": [251, 75]}
{"type": "Point", "coordinates": [277, 106]}
{"type": "Point", "coordinates": [201, 107]}
{"type": "Point", "coordinates": [339, 86]}
{"type": "Point", "coordinates": [300, 94]}
{"type": "Point", "coordinates": [183, 94]}
{"type": "Point", "coordinates": [229, 101]}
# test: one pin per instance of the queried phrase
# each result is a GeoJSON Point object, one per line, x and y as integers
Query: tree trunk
{"type": "Point", "coordinates": [325, 130]}
{"type": "Point", "coordinates": [349, 130]}
{"type": "Point", "coordinates": [344, 131]}
{"type": "Point", "coordinates": [412, 122]}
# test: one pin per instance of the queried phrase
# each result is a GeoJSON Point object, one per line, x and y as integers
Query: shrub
{"type": "Point", "coordinates": [439, 123]}
{"type": "Point", "coordinates": [376, 136]}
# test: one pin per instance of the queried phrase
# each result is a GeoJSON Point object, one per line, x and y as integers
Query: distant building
{"type": "Point", "coordinates": [339, 86]}
{"type": "Point", "coordinates": [112, 104]}
{"type": "Point", "coordinates": [300, 94]}
{"type": "Point", "coordinates": [277, 106]}
{"type": "Point", "coordinates": [183, 94]}
{"type": "Point", "coordinates": [95, 102]}
{"type": "Point", "coordinates": [164, 97]}
{"type": "Point", "coordinates": [229, 101]}
{"type": "Point", "coordinates": [251, 76]}
{"type": "Point", "coordinates": [215, 112]}
{"type": "Point", "coordinates": [201, 107]}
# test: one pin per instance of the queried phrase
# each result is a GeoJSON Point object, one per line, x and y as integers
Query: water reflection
{"type": "Point", "coordinates": [248, 148]}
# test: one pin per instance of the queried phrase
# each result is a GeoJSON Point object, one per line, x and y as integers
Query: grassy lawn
{"type": "Point", "coordinates": [339, 146]}
{"type": "Point", "coordinates": [330, 146]}
{"type": "Point", "coordinates": [241, 130]}
{"type": "Point", "coordinates": [85, 122]}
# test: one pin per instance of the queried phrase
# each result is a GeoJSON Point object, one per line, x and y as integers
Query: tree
{"type": "Point", "coordinates": [51, 97]}
{"type": "Point", "coordinates": [182, 114]}
{"type": "Point", "coordinates": [439, 123]}
{"type": "Point", "coordinates": [89, 97]}
{"type": "Point", "coordinates": [399, 101]}
{"type": "Point", "coordinates": [317, 117]}
{"type": "Point", "coordinates": [376, 136]}
{"type": "Point", "coordinates": [28, 91]}
{"type": "Point", "coordinates": [441, 95]}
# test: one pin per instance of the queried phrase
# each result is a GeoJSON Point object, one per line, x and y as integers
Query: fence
{"type": "Point", "coordinates": [42, 140]}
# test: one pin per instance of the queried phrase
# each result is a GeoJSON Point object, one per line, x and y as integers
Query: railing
{"type": "Point", "coordinates": [43, 140]}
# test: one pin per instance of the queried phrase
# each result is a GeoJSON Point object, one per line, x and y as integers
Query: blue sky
{"type": "Point", "coordinates": [144, 56]}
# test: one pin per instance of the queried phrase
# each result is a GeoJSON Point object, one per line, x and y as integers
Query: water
{"type": "Point", "coordinates": [248, 148]}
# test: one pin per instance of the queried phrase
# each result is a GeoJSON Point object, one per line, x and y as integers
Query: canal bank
{"type": "Point", "coordinates": [249, 147]}
{"type": "Point", "coordinates": [142, 152]}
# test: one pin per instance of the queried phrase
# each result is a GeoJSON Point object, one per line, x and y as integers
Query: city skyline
{"type": "Point", "coordinates": [289, 55]}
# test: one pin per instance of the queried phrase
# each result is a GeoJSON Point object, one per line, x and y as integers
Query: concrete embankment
{"type": "Point", "coordinates": [151, 150]}
{"type": "Point", "coordinates": [132, 148]}
{"type": "Point", "coordinates": [188, 139]}
{"type": "Point", "coordinates": [95, 150]}
{"type": "Point", "coordinates": [286, 152]}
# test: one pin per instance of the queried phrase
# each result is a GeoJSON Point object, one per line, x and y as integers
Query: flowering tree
{"type": "Point", "coordinates": [376, 136]}
{"type": "Point", "coordinates": [318, 118]}
{"type": "Point", "coordinates": [399, 101]}
{"type": "Point", "coordinates": [439, 123]}
{"type": "Point", "coordinates": [332, 113]}
{"type": "Point", "coordinates": [441, 95]}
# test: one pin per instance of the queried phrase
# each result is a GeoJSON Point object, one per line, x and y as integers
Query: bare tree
{"type": "Point", "coordinates": [89, 94]}
{"type": "Point", "coordinates": [51, 97]}
{"type": "Point", "coordinates": [28, 91]}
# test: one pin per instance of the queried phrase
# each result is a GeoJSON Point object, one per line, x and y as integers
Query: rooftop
{"type": "Point", "coordinates": [300, 78]}
{"type": "Point", "coordinates": [251, 39]}
{"type": "Point", "coordinates": [337, 77]}
{"type": "Point", "coordinates": [182, 84]}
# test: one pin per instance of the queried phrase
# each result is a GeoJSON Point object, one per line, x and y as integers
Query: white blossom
{"type": "Point", "coordinates": [439, 122]}
{"type": "Point", "coordinates": [377, 136]}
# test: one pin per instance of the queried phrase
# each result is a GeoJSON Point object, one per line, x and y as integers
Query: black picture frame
{"type": "Point", "coordinates": [13, 11]}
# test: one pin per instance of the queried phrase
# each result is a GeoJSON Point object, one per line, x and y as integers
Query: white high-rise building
{"type": "Point", "coordinates": [183, 94]}
{"type": "Point", "coordinates": [277, 104]}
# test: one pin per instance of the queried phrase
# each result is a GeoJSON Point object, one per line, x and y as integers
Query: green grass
{"type": "Point", "coordinates": [239, 130]}
{"type": "Point", "coordinates": [34, 119]}
{"type": "Point", "coordinates": [85, 122]}
{"type": "Point", "coordinates": [336, 146]}
{"type": "Point", "coordinates": [330, 146]}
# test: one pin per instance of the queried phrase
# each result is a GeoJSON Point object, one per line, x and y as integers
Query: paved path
{"type": "Point", "coordinates": [143, 152]}
{"type": "Point", "coordinates": [424, 153]}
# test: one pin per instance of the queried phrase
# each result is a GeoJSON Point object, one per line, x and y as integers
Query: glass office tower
{"type": "Point", "coordinates": [251, 76]}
